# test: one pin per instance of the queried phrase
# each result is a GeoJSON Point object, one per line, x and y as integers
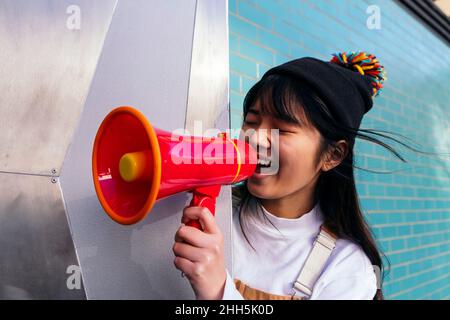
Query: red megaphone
{"type": "Point", "coordinates": [134, 164]}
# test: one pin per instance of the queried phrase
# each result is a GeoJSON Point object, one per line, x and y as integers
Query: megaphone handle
{"type": "Point", "coordinates": [204, 197]}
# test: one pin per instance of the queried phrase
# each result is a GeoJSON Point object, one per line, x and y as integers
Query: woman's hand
{"type": "Point", "coordinates": [199, 254]}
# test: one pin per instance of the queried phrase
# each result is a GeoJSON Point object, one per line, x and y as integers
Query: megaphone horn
{"type": "Point", "coordinates": [135, 164]}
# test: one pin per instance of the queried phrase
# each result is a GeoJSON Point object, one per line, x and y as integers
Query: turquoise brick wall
{"type": "Point", "coordinates": [409, 210]}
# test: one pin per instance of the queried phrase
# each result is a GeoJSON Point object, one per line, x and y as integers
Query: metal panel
{"type": "Point", "coordinates": [145, 64]}
{"type": "Point", "coordinates": [208, 88]}
{"type": "Point", "coordinates": [47, 64]}
{"type": "Point", "coordinates": [35, 241]}
{"type": "Point", "coordinates": [209, 92]}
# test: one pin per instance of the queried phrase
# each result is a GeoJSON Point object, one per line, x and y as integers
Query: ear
{"type": "Point", "coordinates": [335, 155]}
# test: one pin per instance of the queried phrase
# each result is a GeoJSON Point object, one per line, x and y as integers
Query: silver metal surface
{"type": "Point", "coordinates": [54, 92]}
{"type": "Point", "coordinates": [36, 248]}
{"type": "Point", "coordinates": [49, 51]}
{"type": "Point", "coordinates": [47, 65]}
{"type": "Point", "coordinates": [208, 88]}
{"type": "Point", "coordinates": [209, 92]}
{"type": "Point", "coordinates": [146, 63]}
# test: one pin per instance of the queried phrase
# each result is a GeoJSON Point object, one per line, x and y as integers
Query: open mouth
{"type": "Point", "coordinates": [263, 164]}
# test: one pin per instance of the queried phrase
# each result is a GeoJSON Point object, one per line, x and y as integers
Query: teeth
{"type": "Point", "coordinates": [263, 162]}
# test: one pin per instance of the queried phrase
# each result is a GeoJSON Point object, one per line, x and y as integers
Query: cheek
{"type": "Point", "coordinates": [298, 158]}
{"type": "Point", "coordinates": [298, 167]}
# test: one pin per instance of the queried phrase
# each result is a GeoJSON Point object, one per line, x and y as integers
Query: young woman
{"type": "Point", "coordinates": [298, 233]}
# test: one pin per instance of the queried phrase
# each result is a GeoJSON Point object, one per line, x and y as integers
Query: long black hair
{"type": "Point", "coordinates": [335, 192]}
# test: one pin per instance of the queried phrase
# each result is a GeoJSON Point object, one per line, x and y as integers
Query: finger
{"type": "Point", "coordinates": [185, 219]}
{"type": "Point", "coordinates": [204, 216]}
{"type": "Point", "coordinates": [192, 236]}
{"type": "Point", "coordinates": [184, 265]}
{"type": "Point", "coordinates": [188, 251]}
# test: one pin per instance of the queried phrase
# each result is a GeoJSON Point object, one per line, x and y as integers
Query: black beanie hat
{"type": "Point", "coordinates": [346, 84]}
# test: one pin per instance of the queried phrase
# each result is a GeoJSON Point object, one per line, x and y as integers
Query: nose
{"type": "Point", "coordinates": [259, 138]}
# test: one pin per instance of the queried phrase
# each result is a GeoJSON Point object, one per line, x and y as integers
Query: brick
{"type": "Point", "coordinates": [412, 103]}
{"type": "Point", "coordinates": [251, 12]}
{"type": "Point", "coordinates": [256, 52]}
{"type": "Point", "coordinates": [243, 65]}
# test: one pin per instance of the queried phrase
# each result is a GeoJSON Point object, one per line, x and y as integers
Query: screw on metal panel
{"type": "Point", "coordinates": [54, 171]}
{"type": "Point", "coordinates": [54, 180]}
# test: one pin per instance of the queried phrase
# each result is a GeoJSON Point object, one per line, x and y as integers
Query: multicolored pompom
{"type": "Point", "coordinates": [365, 64]}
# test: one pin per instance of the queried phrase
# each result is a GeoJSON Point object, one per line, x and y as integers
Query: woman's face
{"type": "Point", "coordinates": [298, 152]}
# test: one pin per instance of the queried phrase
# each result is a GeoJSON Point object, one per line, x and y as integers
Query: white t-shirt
{"type": "Point", "coordinates": [280, 255]}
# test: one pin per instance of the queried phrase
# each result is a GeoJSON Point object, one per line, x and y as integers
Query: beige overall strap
{"type": "Point", "coordinates": [313, 267]}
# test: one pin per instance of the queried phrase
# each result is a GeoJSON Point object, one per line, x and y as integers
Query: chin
{"type": "Point", "coordinates": [260, 190]}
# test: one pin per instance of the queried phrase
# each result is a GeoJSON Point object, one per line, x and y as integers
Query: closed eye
{"type": "Point", "coordinates": [285, 131]}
